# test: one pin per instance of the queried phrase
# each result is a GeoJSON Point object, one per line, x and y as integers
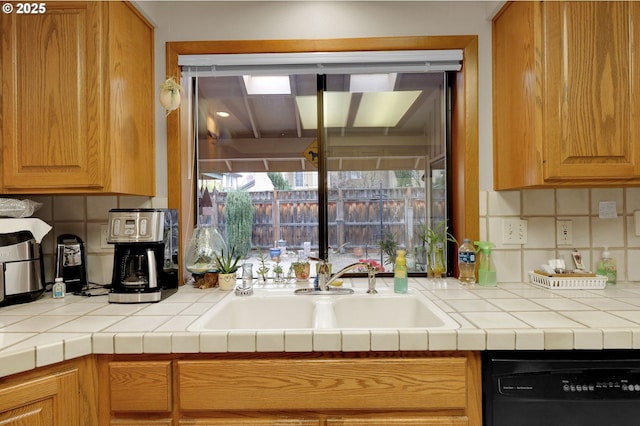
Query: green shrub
{"type": "Point", "coordinates": [238, 215]}
{"type": "Point", "coordinates": [278, 181]}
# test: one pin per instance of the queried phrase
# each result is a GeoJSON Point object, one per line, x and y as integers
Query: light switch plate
{"type": "Point", "coordinates": [636, 221]}
{"type": "Point", "coordinates": [514, 231]}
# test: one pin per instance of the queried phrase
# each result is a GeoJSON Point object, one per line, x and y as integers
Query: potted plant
{"type": "Point", "coordinates": [227, 265]}
{"type": "Point", "coordinates": [435, 240]}
{"type": "Point", "coordinates": [302, 270]}
{"type": "Point", "coordinates": [170, 94]}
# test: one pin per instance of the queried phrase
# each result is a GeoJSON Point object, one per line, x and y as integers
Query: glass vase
{"type": "Point", "coordinates": [204, 244]}
{"type": "Point", "coordinates": [439, 268]}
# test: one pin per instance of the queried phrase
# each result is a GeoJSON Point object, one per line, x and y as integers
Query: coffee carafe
{"type": "Point", "coordinates": [139, 270]}
{"type": "Point", "coordinates": [145, 254]}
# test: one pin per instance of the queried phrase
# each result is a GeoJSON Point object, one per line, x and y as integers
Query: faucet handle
{"type": "Point", "coordinates": [371, 279]}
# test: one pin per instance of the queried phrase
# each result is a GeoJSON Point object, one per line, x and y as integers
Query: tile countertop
{"type": "Point", "coordinates": [506, 317]}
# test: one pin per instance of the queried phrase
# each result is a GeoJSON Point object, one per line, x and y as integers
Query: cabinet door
{"type": "Point", "coordinates": [50, 400]}
{"type": "Point", "coordinates": [143, 386]}
{"type": "Point", "coordinates": [590, 113]}
{"type": "Point", "coordinates": [52, 123]}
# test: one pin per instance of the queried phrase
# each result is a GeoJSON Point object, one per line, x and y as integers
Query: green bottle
{"type": "Point", "coordinates": [486, 269]}
{"type": "Point", "coordinates": [400, 280]}
{"type": "Point", "coordinates": [607, 267]}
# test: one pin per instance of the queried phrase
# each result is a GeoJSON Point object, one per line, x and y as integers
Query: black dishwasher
{"type": "Point", "coordinates": [548, 388]}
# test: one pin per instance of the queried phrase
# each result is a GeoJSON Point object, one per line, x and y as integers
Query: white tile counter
{"type": "Point", "coordinates": [513, 316]}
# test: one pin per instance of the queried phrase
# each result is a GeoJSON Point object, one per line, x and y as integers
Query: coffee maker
{"type": "Point", "coordinates": [145, 266]}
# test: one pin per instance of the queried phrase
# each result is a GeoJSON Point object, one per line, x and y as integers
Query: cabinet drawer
{"type": "Point", "coordinates": [398, 421]}
{"type": "Point", "coordinates": [321, 384]}
{"type": "Point", "coordinates": [140, 386]}
{"type": "Point", "coordinates": [254, 421]}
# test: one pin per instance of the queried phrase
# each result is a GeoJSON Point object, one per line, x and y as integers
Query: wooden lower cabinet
{"type": "Point", "coordinates": [136, 392]}
{"type": "Point", "coordinates": [331, 421]}
{"type": "Point", "coordinates": [61, 395]}
{"type": "Point", "coordinates": [400, 421]}
{"type": "Point", "coordinates": [328, 389]}
{"type": "Point", "coordinates": [272, 421]}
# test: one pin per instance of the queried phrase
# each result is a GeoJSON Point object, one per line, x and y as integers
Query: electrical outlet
{"type": "Point", "coordinates": [564, 236]}
{"type": "Point", "coordinates": [103, 237]}
{"type": "Point", "coordinates": [514, 231]}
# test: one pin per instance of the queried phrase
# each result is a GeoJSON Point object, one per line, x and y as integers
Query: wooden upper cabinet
{"type": "Point", "coordinates": [564, 81]}
{"type": "Point", "coordinates": [77, 100]}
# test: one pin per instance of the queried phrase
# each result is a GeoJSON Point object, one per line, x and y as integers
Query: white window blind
{"type": "Point", "coordinates": [323, 62]}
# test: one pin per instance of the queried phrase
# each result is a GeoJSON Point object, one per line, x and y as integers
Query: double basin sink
{"type": "Point", "coordinates": [281, 309]}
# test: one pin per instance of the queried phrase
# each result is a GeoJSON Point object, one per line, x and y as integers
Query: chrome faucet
{"type": "Point", "coordinates": [325, 279]}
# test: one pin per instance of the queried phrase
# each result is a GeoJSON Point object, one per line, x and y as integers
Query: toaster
{"type": "Point", "coordinates": [21, 268]}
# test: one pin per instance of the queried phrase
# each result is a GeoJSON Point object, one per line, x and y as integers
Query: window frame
{"type": "Point", "coordinates": [464, 214]}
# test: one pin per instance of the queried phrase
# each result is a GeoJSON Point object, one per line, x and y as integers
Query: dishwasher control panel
{"type": "Point", "coordinates": [586, 388]}
{"type": "Point", "coordinates": [582, 385]}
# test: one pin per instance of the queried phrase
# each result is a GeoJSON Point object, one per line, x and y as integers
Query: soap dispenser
{"type": "Point", "coordinates": [607, 267]}
{"type": "Point", "coordinates": [486, 268]}
{"type": "Point", "coordinates": [400, 280]}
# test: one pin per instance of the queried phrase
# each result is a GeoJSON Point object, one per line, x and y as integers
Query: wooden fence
{"type": "Point", "coordinates": [357, 217]}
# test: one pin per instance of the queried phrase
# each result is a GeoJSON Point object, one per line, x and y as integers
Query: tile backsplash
{"type": "Point", "coordinates": [85, 217]}
{"type": "Point", "coordinates": [542, 208]}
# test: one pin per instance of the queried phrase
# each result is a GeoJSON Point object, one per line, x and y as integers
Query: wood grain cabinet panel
{"type": "Point", "coordinates": [378, 384]}
{"type": "Point", "coordinates": [49, 400]}
{"type": "Point", "coordinates": [398, 421]}
{"type": "Point", "coordinates": [329, 389]}
{"type": "Point", "coordinates": [254, 421]}
{"type": "Point", "coordinates": [77, 100]}
{"type": "Point", "coordinates": [565, 77]}
{"type": "Point", "coordinates": [142, 422]}
{"type": "Point", "coordinates": [140, 386]}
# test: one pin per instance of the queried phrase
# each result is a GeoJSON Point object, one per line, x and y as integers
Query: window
{"type": "Point", "coordinates": [464, 119]}
{"type": "Point", "coordinates": [382, 133]}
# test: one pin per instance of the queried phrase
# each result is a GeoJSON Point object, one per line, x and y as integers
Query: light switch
{"type": "Point", "coordinates": [636, 221]}
{"type": "Point", "coordinates": [514, 231]}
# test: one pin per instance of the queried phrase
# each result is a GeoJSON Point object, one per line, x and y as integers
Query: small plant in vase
{"type": "Point", "coordinates": [435, 241]}
{"type": "Point", "coordinates": [278, 273]}
{"type": "Point", "coordinates": [263, 270]}
{"type": "Point", "coordinates": [302, 270]}
{"type": "Point", "coordinates": [227, 265]}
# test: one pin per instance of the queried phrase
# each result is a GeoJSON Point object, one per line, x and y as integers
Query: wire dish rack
{"type": "Point", "coordinates": [566, 283]}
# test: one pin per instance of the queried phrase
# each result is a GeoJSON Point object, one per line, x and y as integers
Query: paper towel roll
{"type": "Point", "coordinates": [38, 227]}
